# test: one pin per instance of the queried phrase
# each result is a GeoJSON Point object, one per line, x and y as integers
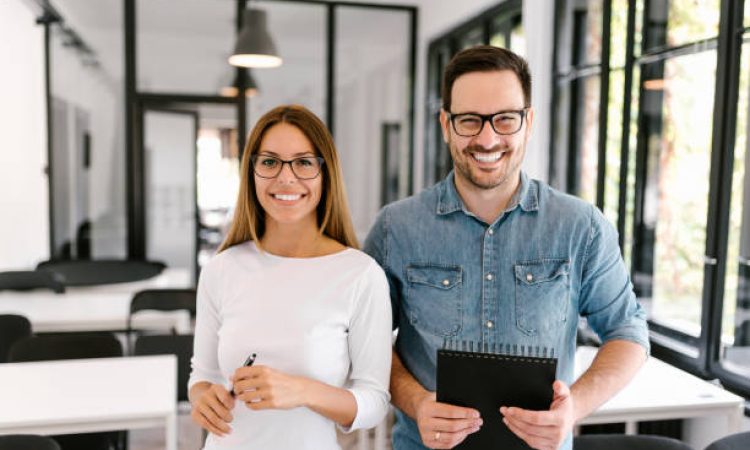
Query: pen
{"type": "Point", "coordinates": [248, 362]}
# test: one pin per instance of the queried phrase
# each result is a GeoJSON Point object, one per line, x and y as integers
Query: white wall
{"type": "Point", "coordinates": [24, 228]}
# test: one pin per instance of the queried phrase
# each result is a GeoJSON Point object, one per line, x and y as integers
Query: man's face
{"type": "Point", "coordinates": [488, 159]}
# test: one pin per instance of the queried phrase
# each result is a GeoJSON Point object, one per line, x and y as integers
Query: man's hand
{"type": "Point", "coordinates": [543, 430]}
{"type": "Point", "coordinates": [442, 425]}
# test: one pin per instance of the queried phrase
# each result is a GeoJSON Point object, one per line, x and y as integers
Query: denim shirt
{"type": "Point", "coordinates": [522, 280]}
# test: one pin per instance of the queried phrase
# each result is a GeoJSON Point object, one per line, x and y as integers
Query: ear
{"type": "Point", "coordinates": [444, 123]}
{"type": "Point", "coordinates": [529, 122]}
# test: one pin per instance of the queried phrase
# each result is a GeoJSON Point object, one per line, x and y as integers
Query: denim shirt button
{"type": "Point", "coordinates": [529, 277]}
{"type": "Point", "coordinates": [446, 282]}
{"type": "Point", "coordinates": [489, 324]}
{"type": "Point", "coordinates": [489, 276]}
{"type": "Point", "coordinates": [491, 231]}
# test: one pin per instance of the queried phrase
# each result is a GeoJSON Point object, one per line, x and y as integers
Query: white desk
{"type": "Point", "coordinates": [97, 308]}
{"type": "Point", "coordinates": [663, 392]}
{"type": "Point", "coordinates": [91, 395]}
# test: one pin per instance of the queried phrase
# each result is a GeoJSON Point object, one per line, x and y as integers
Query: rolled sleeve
{"type": "Point", "coordinates": [607, 298]}
{"type": "Point", "coordinates": [370, 339]}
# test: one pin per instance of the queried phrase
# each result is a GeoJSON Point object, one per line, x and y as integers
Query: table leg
{"type": "Point", "coordinates": [171, 432]}
{"type": "Point", "coordinates": [631, 427]}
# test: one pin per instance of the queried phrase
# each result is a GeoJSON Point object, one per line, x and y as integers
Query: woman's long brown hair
{"type": "Point", "coordinates": [334, 220]}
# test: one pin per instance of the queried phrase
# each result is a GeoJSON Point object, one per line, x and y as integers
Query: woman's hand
{"type": "Point", "coordinates": [262, 387]}
{"type": "Point", "coordinates": [211, 407]}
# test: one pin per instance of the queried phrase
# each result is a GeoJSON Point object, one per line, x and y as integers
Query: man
{"type": "Point", "coordinates": [491, 256]}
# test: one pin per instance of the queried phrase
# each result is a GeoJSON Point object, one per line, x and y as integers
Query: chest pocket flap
{"type": "Point", "coordinates": [441, 277]}
{"type": "Point", "coordinates": [540, 271]}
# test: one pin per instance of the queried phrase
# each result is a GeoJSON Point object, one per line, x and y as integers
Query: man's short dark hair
{"type": "Point", "coordinates": [485, 58]}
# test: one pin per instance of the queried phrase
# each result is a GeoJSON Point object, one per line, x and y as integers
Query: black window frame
{"type": "Point", "coordinates": [700, 355]}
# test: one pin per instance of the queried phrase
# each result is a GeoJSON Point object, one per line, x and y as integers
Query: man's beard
{"type": "Point", "coordinates": [463, 165]}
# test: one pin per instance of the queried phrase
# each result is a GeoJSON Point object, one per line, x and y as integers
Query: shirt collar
{"type": "Point", "coordinates": [448, 200]}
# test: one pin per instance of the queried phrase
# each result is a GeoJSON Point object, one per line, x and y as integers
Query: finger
{"type": "Point", "coordinates": [542, 432]}
{"type": "Point", "coordinates": [532, 441]}
{"type": "Point", "coordinates": [452, 425]}
{"type": "Point", "coordinates": [560, 389]}
{"type": "Point", "coordinates": [539, 418]}
{"type": "Point", "coordinates": [218, 408]}
{"type": "Point", "coordinates": [213, 422]}
{"type": "Point", "coordinates": [447, 411]}
{"type": "Point", "coordinates": [224, 397]}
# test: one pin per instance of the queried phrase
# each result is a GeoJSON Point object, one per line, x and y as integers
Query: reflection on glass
{"type": "Point", "coordinates": [471, 38]}
{"type": "Point", "coordinates": [372, 107]}
{"type": "Point", "coordinates": [735, 324]}
{"type": "Point", "coordinates": [678, 22]}
{"type": "Point", "coordinates": [614, 145]}
{"type": "Point", "coordinates": [587, 139]}
{"type": "Point", "coordinates": [676, 128]}
{"type": "Point", "coordinates": [618, 33]}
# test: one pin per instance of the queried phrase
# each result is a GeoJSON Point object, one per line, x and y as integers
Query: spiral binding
{"type": "Point", "coordinates": [528, 351]}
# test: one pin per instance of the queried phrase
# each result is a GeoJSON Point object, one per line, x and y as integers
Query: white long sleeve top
{"type": "Point", "coordinates": [326, 318]}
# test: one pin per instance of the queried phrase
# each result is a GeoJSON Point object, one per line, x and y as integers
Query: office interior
{"type": "Point", "coordinates": [122, 124]}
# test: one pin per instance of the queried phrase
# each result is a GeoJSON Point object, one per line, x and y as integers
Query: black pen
{"type": "Point", "coordinates": [248, 362]}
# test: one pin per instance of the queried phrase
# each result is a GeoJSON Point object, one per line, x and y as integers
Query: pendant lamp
{"type": "Point", "coordinates": [229, 89]}
{"type": "Point", "coordinates": [254, 47]}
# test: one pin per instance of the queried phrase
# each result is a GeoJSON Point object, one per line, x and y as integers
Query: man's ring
{"type": "Point", "coordinates": [437, 435]}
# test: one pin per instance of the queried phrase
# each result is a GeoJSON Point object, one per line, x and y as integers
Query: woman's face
{"type": "Point", "coordinates": [287, 199]}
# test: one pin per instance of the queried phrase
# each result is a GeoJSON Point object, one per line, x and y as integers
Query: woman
{"type": "Point", "coordinates": [289, 286]}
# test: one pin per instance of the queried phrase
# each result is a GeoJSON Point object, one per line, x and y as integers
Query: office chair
{"type": "Point", "coordinates": [166, 344]}
{"type": "Point", "coordinates": [160, 300]}
{"type": "Point", "coordinates": [24, 280]}
{"type": "Point", "coordinates": [737, 441]}
{"type": "Point", "coordinates": [73, 346]}
{"type": "Point", "coordinates": [27, 442]}
{"type": "Point", "coordinates": [12, 328]}
{"type": "Point", "coordinates": [103, 271]}
{"type": "Point", "coordinates": [65, 346]}
{"type": "Point", "coordinates": [627, 442]}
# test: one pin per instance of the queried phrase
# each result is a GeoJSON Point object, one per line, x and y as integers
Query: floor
{"type": "Point", "coordinates": [190, 436]}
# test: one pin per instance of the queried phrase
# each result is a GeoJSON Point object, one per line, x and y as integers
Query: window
{"type": "Point", "coordinates": [670, 162]}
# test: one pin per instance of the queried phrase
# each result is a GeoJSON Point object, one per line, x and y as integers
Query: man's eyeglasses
{"type": "Point", "coordinates": [304, 168]}
{"type": "Point", "coordinates": [503, 122]}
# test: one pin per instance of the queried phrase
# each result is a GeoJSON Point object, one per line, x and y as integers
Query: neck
{"type": "Point", "coordinates": [297, 240]}
{"type": "Point", "coordinates": [487, 204]}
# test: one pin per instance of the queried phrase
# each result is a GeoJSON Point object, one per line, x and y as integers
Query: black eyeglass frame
{"type": "Point", "coordinates": [321, 162]}
{"type": "Point", "coordinates": [488, 118]}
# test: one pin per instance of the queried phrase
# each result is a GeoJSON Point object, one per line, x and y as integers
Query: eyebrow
{"type": "Point", "coordinates": [490, 114]}
{"type": "Point", "coordinates": [270, 153]}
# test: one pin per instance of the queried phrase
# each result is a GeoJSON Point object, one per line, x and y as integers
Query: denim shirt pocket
{"type": "Point", "coordinates": [434, 298]}
{"type": "Point", "coordinates": [542, 295]}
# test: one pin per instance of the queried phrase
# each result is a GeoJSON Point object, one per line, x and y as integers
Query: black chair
{"type": "Point", "coordinates": [179, 345]}
{"type": "Point", "coordinates": [12, 328]}
{"type": "Point", "coordinates": [65, 346]}
{"type": "Point", "coordinates": [27, 442]}
{"type": "Point", "coordinates": [103, 271]}
{"type": "Point", "coordinates": [24, 280]}
{"type": "Point", "coordinates": [738, 441]}
{"type": "Point", "coordinates": [627, 442]}
{"type": "Point", "coordinates": [72, 346]}
{"type": "Point", "coordinates": [162, 300]}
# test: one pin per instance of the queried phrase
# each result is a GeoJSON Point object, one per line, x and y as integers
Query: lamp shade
{"type": "Point", "coordinates": [254, 47]}
{"type": "Point", "coordinates": [229, 89]}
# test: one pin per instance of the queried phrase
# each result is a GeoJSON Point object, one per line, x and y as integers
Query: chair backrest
{"type": "Point", "coordinates": [102, 271]}
{"type": "Point", "coordinates": [24, 280]}
{"type": "Point", "coordinates": [27, 442]}
{"type": "Point", "coordinates": [65, 346]}
{"type": "Point", "coordinates": [13, 328]}
{"type": "Point", "coordinates": [627, 442]}
{"type": "Point", "coordinates": [738, 441]}
{"type": "Point", "coordinates": [164, 300]}
{"type": "Point", "coordinates": [180, 345]}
